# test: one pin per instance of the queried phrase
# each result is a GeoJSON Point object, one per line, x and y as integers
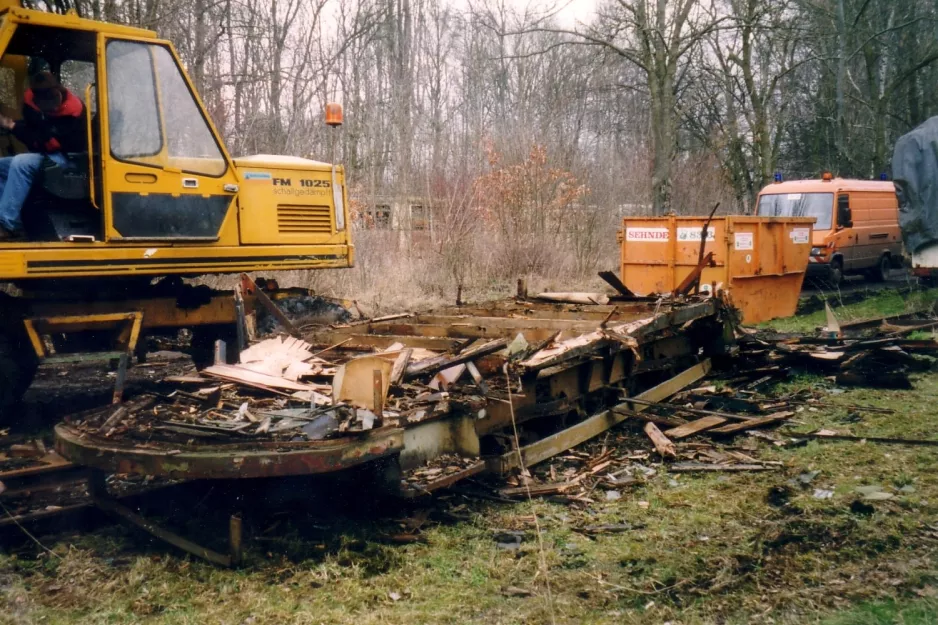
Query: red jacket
{"type": "Point", "coordinates": [63, 130]}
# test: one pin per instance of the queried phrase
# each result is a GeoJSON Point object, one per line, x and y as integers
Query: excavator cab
{"type": "Point", "coordinates": [166, 175]}
{"type": "Point", "coordinates": [155, 170]}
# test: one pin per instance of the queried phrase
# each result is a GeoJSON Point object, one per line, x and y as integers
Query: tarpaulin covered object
{"type": "Point", "coordinates": [915, 173]}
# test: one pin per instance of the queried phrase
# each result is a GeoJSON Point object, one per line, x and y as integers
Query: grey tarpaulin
{"type": "Point", "coordinates": [915, 173]}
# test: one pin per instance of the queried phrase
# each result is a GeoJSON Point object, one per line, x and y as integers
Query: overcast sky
{"type": "Point", "coordinates": [569, 13]}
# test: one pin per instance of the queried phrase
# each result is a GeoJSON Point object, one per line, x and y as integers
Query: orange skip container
{"type": "Point", "coordinates": [760, 262]}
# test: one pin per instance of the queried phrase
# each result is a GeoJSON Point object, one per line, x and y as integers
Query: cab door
{"type": "Point", "coordinates": [166, 175]}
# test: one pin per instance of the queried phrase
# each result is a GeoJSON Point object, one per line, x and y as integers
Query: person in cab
{"type": "Point", "coordinates": [53, 124]}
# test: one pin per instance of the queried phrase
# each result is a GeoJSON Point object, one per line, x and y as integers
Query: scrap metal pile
{"type": "Point", "coordinates": [485, 370]}
{"type": "Point", "coordinates": [458, 380]}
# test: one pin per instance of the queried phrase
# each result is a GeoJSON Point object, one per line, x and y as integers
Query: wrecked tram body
{"type": "Point", "coordinates": [556, 372]}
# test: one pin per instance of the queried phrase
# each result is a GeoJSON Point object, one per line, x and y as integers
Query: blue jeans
{"type": "Point", "coordinates": [16, 179]}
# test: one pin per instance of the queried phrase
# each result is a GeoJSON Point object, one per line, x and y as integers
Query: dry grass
{"type": "Point", "coordinates": [395, 273]}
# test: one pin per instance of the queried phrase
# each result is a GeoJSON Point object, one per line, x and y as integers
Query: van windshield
{"type": "Point", "coordinates": [818, 205]}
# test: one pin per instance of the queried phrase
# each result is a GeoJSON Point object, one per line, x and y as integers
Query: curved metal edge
{"type": "Point", "coordinates": [218, 463]}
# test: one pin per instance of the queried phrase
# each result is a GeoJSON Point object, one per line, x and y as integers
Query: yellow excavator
{"type": "Point", "coordinates": [155, 198]}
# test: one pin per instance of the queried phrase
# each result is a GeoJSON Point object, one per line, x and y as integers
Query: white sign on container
{"type": "Point", "coordinates": [647, 235]}
{"type": "Point", "coordinates": [693, 234]}
{"type": "Point", "coordinates": [743, 241]}
{"type": "Point", "coordinates": [800, 235]}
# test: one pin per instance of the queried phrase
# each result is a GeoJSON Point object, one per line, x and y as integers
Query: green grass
{"type": "Point", "coordinates": [923, 612]}
{"type": "Point", "coordinates": [734, 548]}
{"type": "Point", "coordinates": [707, 549]}
{"type": "Point", "coordinates": [882, 304]}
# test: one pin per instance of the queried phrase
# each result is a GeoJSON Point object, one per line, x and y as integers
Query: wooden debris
{"type": "Point", "coordinates": [735, 428]}
{"type": "Point", "coordinates": [431, 366]}
{"type": "Point", "coordinates": [689, 429]}
{"type": "Point", "coordinates": [662, 444]}
{"type": "Point", "coordinates": [670, 422]}
{"type": "Point", "coordinates": [256, 379]}
{"type": "Point", "coordinates": [400, 366]}
{"type": "Point", "coordinates": [584, 344]}
{"type": "Point", "coordinates": [477, 377]}
{"type": "Point", "coordinates": [354, 381]}
{"type": "Point", "coordinates": [613, 280]}
{"type": "Point", "coordinates": [270, 306]}
{"type": "Point", "coordinates": [537, 490]}
{"type": "Point", "coordinates": [575, 298]}
{"type": "Point", "coordinates": [696, 411]}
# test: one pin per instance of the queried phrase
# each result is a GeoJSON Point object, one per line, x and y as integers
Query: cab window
{"type": "Point", "coordinates": [132, 107]}
{"type": "Point", "coordinates": [153, 118]}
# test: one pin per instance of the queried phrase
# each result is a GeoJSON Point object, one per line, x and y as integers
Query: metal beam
{"type": "Point", "coordinates": [593, 426]}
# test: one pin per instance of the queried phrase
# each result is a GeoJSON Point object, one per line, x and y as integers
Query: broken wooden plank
{"type": "Point", "coordinates": [639, 329]}
{"type": "Point", "coordinates": [447, 377]}
{"type": "Point", "coordinates": [694, 427]}
{"type": "Point", "coordinates": [662, 444]}
{"type": "Point", "coordinates": [669, 422]}
{"type": "Point", "coordinates": [758, 422]}
{"type": "Point", "coordinates": [345, 339]}
{"type": "Point", "coordinates": [270, 306]}
{"type": "Point", "coordinates": [123, 411]}
{"type": "Point", "coordinates": [581, 345]}
{"type": "Point", "coordinates": [256, 379]}
{"type": "Point", "coordinates": [695, 411]}
{"type": "Point", "coordinates": [693, 277]}
{"type": "Point", "coordinates": [400, 366]}
{"type": "Point", "coordinates": [477, 377]}
{"type": "Point", "coordinates": [430, 366]}
{"type": "Point", "coordinates": [186, 379]}
{"type": "Point", "coordinates": [575, 298]}
{"type": "Point", "coordinates": [613, 280]}
{"type": "Point", "coordinates": [537, 490]}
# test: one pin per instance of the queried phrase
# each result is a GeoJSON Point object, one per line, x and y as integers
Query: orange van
{"type": "Point", "coordinates": [856, 228]}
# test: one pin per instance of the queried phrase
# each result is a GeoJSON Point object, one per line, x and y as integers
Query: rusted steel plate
{"type": "Point", "coordinates": [227, 461]}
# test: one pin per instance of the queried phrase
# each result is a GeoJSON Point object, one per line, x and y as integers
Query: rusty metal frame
{"type": "Point", "coordinates": [229, 461]}
{"type": "Point", "coordinates": [565, 386]}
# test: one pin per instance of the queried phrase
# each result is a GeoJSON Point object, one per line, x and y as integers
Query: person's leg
{"type": "Point", "coordinates": [5, 163]}
{"type": "Point", "coordinates": [21, 172]}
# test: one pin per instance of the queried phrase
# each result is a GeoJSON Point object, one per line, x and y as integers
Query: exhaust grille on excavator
{"type": "Point", "coordinates": [298, 219]}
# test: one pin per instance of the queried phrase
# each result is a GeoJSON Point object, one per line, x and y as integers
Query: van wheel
{"type": "Point", "coordinates": [880, 273]}
{"type": "Point", "coordinates": [836, 275]}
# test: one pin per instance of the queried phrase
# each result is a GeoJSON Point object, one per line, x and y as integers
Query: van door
{"type": "Point", "coordinates": [166, 174]}
{"type": "Point", "coordinates": [846, 235]}
{"type": "Point", "coordinates": [883, 232]}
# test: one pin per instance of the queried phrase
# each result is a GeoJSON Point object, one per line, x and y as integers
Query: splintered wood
{"type": "Point", "coordinates": [662, 444]}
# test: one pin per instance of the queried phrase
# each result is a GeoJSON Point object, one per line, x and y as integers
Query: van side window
{"type": "Point", "coordinates": [843, 210]}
